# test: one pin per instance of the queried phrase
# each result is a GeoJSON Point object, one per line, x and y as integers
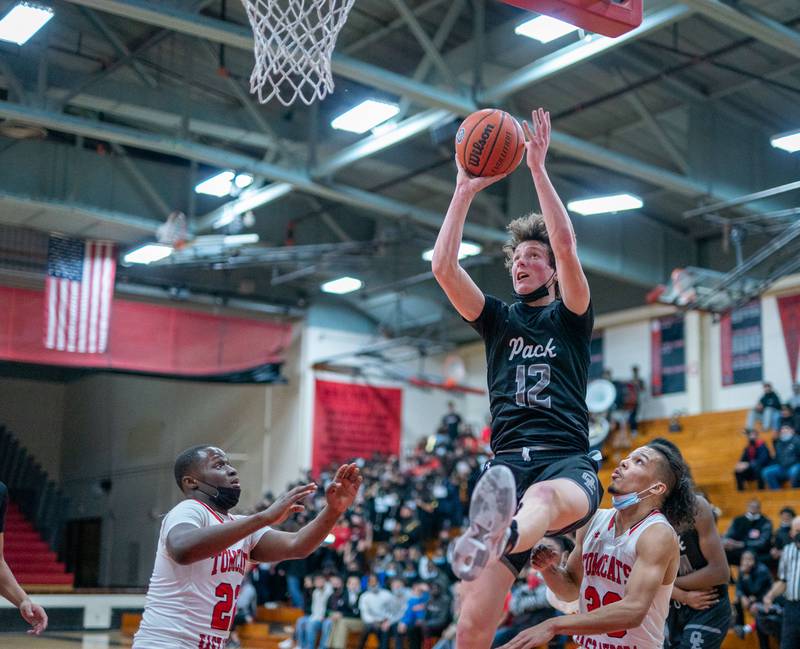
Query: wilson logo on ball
{"type": "Point", "coordinates": [478, 147]}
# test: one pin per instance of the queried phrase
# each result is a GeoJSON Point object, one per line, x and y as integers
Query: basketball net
{"type": "Point", "coordinates": [294, 42]}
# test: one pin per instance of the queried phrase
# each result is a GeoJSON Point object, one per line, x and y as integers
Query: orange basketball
{"type": "Point", "coordinates": [489, 143]}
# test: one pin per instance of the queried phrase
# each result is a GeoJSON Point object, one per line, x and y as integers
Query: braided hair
{"type": "Point", "coordinates": [680, 504]}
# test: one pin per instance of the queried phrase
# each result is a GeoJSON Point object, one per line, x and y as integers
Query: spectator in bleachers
{"type": "Point", "coordinates": [750, 531]}
{"type": "Point", "coordinates": [755, 457]}
{"type": "Point", "coordinates": [783, 535]}
{"type": "Point", "coordinates": [343, 615]}
{"type": "Point", "coordinates": [451, 422]}
{"type": "Point", "coordinates": [786, 464]}
{"type": "Point", "coordinates": [787, 417]}
{"type": "Point", "coordinates": [375, 607]}
{"type": "Point", "coordinates": [311, 627]}
{"type": "Point", "coordinates": [638, 390]}
{"type": "Point", "coordinates": [753, 582]}
{"type": "Point", "coordinates": [794, 403]}
{"type": "Point", "coordinates": [766, 411]}
{"type": "Point", "coordinates": [414, 613]}
{"type": "Point", "coordinates": [436, 616]}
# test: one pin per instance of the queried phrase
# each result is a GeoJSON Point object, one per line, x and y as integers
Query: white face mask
{"type": "Point", "coordinates": [623, 501]}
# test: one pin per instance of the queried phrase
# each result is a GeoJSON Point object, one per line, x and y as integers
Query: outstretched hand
{"type": "Point", "coordinates": [288, 504]}
{"type": "Point", "coordinates": [33, 615]}
{"type": "Point", "coordinates": [344, 487]}
{"type": "Point", "coordinates": [537, 138]}
{"type": "Point", "coordinates": [474, 184]}
{"type": "Point", "coordinates": [536, 636]}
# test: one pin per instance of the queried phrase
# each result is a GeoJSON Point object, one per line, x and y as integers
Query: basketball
{"type": "Point", "coordinates": [489, 143]}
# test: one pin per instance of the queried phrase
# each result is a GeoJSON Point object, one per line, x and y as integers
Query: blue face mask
{"type": "Point", "coordinates": [623, 501]}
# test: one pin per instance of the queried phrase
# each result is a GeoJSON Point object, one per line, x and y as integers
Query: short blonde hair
{"type": "Point", "coordinates": [530, 227]}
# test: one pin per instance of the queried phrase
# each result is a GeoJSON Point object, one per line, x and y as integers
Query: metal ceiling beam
{"type": "Point", "coordinates": [139, 224]}
{"type": "Point", "coordinates": [751, 22]}
{"type": "Point", "coordinates": [580, 52]}
{"type": "Point", "coordinates": [594, 259]}
{"type": "Point", "coordinates": [156, 200]}
{"type": "Point", "coordinates": [397, 23]}
{"type": "Point", "coordinates": [236, 36]}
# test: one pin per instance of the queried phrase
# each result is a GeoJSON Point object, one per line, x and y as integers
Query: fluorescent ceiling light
{"type": "Point", "coordinates": [604, 204]}
{"type": "Point", "coordinates": [23, 21]}
{"type": "Point", "coordinates": [219, 185]}
{"type": "Point", "coordinates": [342, 285]}
{"type": "Point", "coordinates": [365, 116]}
{"type": "Point", "coordinates": [148, 253]}
{"type": "Point", "coordinates": [466, 249]}
{"type": "Point", "coordinates": [787, 141]}
{"type": "Point", "coordinates": [243, 180]}
{"type": "Point", "coordinates": [544, 29]}
{"type": "Point", "coordinates": [240, 239]}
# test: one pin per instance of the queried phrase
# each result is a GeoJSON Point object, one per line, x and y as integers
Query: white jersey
{"type": "Point", "coordinates": [607, 563]}
{"type": "Point", "coordinates": [192, 606]}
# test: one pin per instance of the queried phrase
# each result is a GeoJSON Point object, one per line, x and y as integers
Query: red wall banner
{"type": "Point", "coordinates": [148, 338]}
{"type": "Point", "coordinates": [353, 420]}
{"type": "Point", "coordinates": [789, 308]}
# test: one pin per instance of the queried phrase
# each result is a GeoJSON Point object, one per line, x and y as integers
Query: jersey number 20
{"type": "Point", "coordinates": [593, 602]}
{"type": "Point", "coordinates": [222, 616]}
{"type": "Point", "coordinates": [531, 398]}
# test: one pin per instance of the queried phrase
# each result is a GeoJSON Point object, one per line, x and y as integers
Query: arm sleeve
{"type": "Point", "coordinates": [186, 512]}
{"type": "Point", "coordinates": [494, 311]}
{"type": "Point", "coordinates": [580, 325]}
{"type": "Point", "coordinates": [3, 506]}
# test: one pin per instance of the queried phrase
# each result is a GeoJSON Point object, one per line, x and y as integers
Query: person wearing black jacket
{"type": "Point", "coordinates": [438, 613]}
{"type": "Point", "coordinates": [753, 582]}
{"type": "Point", "coordinates": [751, 531]}
{"type": "Point", "coordinates": [755, 456]}
{"type": "Point", "coordinates": [767, 410]}
{"type": "Point", "coordinates": [343, 614]}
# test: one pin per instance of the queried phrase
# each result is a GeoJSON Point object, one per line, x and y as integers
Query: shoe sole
{"type": "Point", "coordinates": [491, 510]}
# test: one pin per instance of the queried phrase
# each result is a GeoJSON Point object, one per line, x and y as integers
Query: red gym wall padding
{"type": "Point", "coordinates": [148, 338]}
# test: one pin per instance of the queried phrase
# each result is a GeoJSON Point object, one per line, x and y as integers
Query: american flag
{"type": "Point", "coordinates": [78, 294]}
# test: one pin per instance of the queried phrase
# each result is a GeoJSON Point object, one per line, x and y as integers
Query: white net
{"type": "Point", "coordinates": [294, 42]}
{"type": "Point", "coordinates": [174, 231]}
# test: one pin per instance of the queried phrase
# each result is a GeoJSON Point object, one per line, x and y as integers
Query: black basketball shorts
{"type": "Point", "coordinates": [531, 467]}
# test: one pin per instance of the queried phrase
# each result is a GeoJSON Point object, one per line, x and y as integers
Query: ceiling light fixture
{"type": "Point", "coordinates": [368, 114]}
{"type": "Point", "coordinates": [148, 253]}
{"type": "Point", "coordinates": [219, 185]}
{"type": "Point", "coordinates": [544, 29]}
{"type": "Point", "coordinates": [23, 21]}
{"type": "Point", "coordinates": [466, 249]}
{"type": "Point", "coordinates": [787, 141]}
{"type": "Point", "coordinates": [605, 204]}
{"type": "Point", "coordinates": [342, 285]}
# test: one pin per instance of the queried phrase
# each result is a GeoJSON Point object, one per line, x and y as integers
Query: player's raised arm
{"type": "Point", "coordinates": [571, 278]}
{"type": "Point", "coordinates": [278, 545]}
{"type": "Point", "coordinates": [657, 557]}
{"type": "Point", "coordinates": [462, 292]}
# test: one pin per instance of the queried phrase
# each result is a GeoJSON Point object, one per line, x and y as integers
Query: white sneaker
{"type": "Point", "coordinates": [491, 510]}
{"type": "Point", "coordinates": [286, 644]}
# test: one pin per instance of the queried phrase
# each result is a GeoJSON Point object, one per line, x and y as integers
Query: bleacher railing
{"type": "Point", "coordinates": [32, 490]}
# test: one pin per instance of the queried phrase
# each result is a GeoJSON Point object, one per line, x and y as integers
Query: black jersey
{"type": "Point", "coordinates": [3, 506]}
{"type": "Point", "coordinates": [537, 367]}
{"type": "Point", "coordinates": [692, 558]}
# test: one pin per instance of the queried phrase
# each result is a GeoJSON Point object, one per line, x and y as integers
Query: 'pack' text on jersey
{"type": "Point", "coordinates": [518, 347]}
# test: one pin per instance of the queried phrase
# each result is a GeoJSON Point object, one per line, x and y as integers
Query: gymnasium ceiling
{"type": "Point", "coordinates": [140, 100]}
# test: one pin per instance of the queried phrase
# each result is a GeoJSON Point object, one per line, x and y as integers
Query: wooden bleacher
{"type": "Point", "coordinates": [712, 444]}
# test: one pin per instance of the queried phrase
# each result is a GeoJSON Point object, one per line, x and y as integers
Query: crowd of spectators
{"type": "Point", "coordinates": [383, 570]}
{"type": "Point", "coordinates": [781, 466]}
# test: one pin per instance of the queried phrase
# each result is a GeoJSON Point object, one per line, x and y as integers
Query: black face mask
{"type": "Point", "coordinates": [226, 497]}
{"type": "Point", "coordinates": [538, 294]}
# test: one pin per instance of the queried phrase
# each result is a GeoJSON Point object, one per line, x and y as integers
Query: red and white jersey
{"type": "Point", "coordinates": [607, 563]}
{"type": "Point", "coordinates": [192, 606]}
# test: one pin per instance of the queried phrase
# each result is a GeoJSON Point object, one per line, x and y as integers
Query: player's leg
{"type": "Point", "coordinates": [482, 606]}
{"type": "Point", "coordinates": [549, 506]}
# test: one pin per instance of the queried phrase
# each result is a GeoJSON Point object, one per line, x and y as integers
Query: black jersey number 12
{"type": "Point", "coordinates": [531, 398]}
